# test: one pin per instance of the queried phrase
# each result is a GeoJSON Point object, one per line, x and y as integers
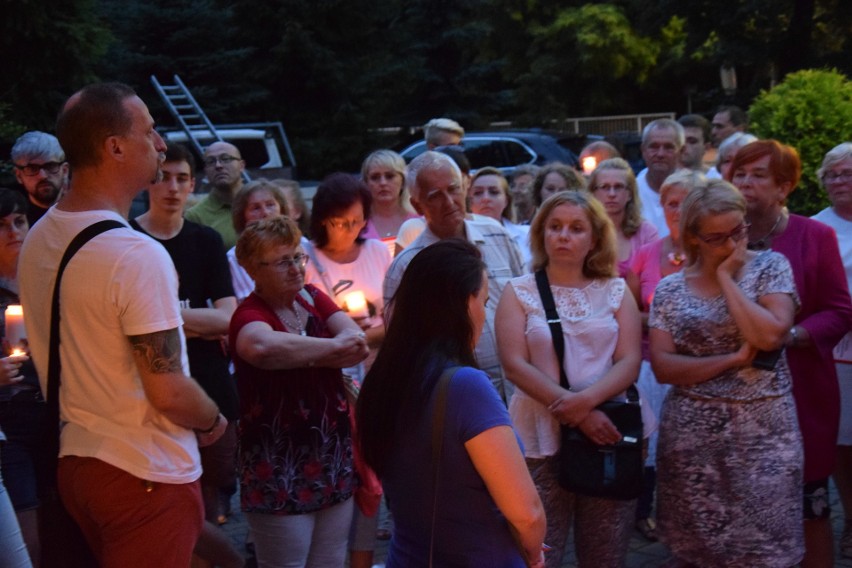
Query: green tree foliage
{"type": "Point", "coordinates": [49, 49]}
{"type": "Point", "coordinates": [810, 110]}
{"type": "Point", "coordinates": [191, 38]}
{"type": "Point", "coordinates": [586, 59]}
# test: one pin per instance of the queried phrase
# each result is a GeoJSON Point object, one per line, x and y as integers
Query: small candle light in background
{"type": "Point", "coordinates": [589, 164]}
{"type": "Point", "coordinates": [16, 352]}
{"type": "Point", "coordinates": [356, 304]}
{"type": "Point", "coordinates": [15, 330]}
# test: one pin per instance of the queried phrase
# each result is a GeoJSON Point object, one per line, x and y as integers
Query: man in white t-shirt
{"type": "Point", "coordinates": [132, 419]}
{"type": "Point", "coordinates": [662, 144]}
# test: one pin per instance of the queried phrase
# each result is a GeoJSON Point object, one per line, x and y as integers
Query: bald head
{"type": "Point", "coordinates": [224, 167]}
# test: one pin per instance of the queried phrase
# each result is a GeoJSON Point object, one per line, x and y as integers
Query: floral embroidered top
{"type": "Point", "coordinates": [295, 451]}
{"type": "Point", "coordinates": [587, 316]}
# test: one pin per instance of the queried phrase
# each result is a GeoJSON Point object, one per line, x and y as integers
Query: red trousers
{"type": "Point", "coordinates": [127, 521]}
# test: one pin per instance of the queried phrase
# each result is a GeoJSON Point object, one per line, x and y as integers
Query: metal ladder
{"type": "Point", "coordinates": [186, 110]}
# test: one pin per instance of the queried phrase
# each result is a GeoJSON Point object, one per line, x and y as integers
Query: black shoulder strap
{"type": "Point", "coordinates": [555, 325]}
{"type": "Point", "coordinates": [442, 388]}
{"type": "Point", "coordinates": [553, 322]}
{"type": "Point", "coordinates": [53, 363]}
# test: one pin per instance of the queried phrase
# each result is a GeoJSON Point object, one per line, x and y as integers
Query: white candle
{"type": "Point", "coordinates": [15, 330]}
{"type": "Point", "coordinates": [356, 304]}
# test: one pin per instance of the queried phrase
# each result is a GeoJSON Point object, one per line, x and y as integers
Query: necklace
{"type": "Point", "coordinates": [762, 242]}
{"type": "Point", "coordinates": [299, 326]}
{"type": "Point", "coordinates": [676, 258]}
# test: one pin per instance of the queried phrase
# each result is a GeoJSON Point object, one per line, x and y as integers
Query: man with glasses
{"type": "Point", "coordinates": [662, 145]}
{"type": "Point", "coordinates": [438, 193]}
{"type": "Point", "coordinates": [40, 167]}
{"type": "Point", "coordinates": [223, 166]}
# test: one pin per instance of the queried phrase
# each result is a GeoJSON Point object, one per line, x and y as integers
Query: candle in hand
{"type": "Point", "coordinates": [356, 304]}
{"type": "Point", "coordinates": [15, 330]}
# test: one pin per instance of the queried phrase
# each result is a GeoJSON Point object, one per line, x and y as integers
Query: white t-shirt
{"type": "Point", "coordinates": [843, 229]}
{"type": "Point", "coordinates": [366, 274]}
{"type": "Point", "coordinates": [652, 209]}
{"type": "Point", "coordinates": [121, 283]}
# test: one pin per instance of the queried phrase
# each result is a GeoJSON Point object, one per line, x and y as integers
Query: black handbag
{"type": "Point", "coordinates": [612, 471]}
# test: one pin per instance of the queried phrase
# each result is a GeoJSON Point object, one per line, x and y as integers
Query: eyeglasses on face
{"type": "Point", "coordinates": [837, 177]}
{"type": "Point", "coordinates": [299, 261]}
{"type": "Point", "coordinates": [346, 225]}
{"type": "Point", "coordinates": [224, 159]}
{"type": "Point", "coordinates": [718, 239]}
{"type": "Point", "coordinates": [34, 169]}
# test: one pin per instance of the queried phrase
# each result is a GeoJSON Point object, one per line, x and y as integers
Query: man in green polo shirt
{"type": "Point", "coordinates": [224, 167]}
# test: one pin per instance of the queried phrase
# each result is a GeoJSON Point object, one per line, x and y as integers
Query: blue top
{"type": "Point", "coordinates": [469, 529]}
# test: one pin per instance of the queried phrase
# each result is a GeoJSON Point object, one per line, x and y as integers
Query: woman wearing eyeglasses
{"type": "Point", "coordinates": [765, 172]}
{"type": "Point", "coordinates": [343, 262]}
{"type": "Point", "coordinates": [729, 458]}
{"type": "Point", "coordinates": [614, 185]}
{"type": "Point", "coordinates": [295, 458]}
{"type": "Point", "coordinates": [836, 177]}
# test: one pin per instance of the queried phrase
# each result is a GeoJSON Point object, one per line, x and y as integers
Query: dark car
{"type": "Point", "coordinates": [506, 150]}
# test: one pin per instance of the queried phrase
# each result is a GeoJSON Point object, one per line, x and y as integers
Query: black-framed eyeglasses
{"type": "Point", "coordinates": [299, 261]}
{"type": "Point", "coordinates": [718, 239]}
{"type": "Point", "coordinates": [34, 169]}
{"type": "Point", "coordinates": [224, 159]}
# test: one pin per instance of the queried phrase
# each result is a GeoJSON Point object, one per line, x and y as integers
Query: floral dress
{"type": "Point", "coordinates": [730, 453]}
{"type": "Point", "coordinates": [295, 441]}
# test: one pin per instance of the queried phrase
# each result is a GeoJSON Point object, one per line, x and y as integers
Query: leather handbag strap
{"type": "Point", "coordinates": [556, 335]}
{"type": "Point", "coordinates": [443, 389]}
{"type": "Point", "coordinates": [554, 323]}
{"type": "Point", "coordinates": [54, 366]}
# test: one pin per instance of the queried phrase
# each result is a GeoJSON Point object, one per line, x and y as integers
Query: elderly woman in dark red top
{"type": "Point", "coordinates": [766, 172]}
{"type": "Point", "coordinates": [290, 342]}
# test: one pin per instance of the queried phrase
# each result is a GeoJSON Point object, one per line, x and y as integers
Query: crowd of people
{"type": "Point", "coordinates": [393, 339]}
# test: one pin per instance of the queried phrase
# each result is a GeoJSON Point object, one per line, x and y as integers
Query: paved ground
{"type": "Point", "coordinates": [643, 554]}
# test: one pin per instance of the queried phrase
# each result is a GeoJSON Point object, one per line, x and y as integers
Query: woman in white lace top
{"type": "Point", "coordinates": [573, 241]}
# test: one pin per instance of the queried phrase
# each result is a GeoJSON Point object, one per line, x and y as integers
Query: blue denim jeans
{"type": "Point", "coordinates": [14, 553]}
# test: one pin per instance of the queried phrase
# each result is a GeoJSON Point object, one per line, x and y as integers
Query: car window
{"type": "Point", "coordinates": [484, 152]}
{"type": "Point", "coordinates": [517, 154]}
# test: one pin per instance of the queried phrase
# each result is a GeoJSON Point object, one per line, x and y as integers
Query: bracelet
{"type": "Point", "coordinates": [795, 335]}
{"type": "Point", "coordinates": [213, 427]}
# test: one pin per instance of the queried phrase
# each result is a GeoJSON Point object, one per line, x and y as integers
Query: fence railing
{"type": "Point", "coordinates": [604, 125]}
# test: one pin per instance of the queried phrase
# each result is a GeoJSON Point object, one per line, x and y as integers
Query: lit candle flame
{"type": "Point", "coordinates": [589, 164]}
{"type": "Point", "coordinates": [17, 352]}
{"type": "Point", "coordinates": [356, 304]}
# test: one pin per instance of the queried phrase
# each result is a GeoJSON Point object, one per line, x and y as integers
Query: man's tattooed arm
{"type": "Point", "coordinates": [157, 352]}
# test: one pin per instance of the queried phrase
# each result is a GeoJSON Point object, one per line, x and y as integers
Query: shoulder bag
{"type": "Point", "coordinates": [612, 471]}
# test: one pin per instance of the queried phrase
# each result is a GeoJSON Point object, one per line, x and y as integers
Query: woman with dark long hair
{"type": "Point", "coordinates": [483, 509]}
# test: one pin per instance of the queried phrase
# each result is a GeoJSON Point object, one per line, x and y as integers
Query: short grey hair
{"type": "Point", "coordinates": [432, 128]}
{"type": "Point", "coordinates": [665, 124]}
{"type": "Point", "coordinates": [731, 144]}
{"type": "Point", "coordinates": [36, 145]}
{"type": "Point", "coordinates": [426, 161]}
{"type": "Point", "coordinates": [833, 157]}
